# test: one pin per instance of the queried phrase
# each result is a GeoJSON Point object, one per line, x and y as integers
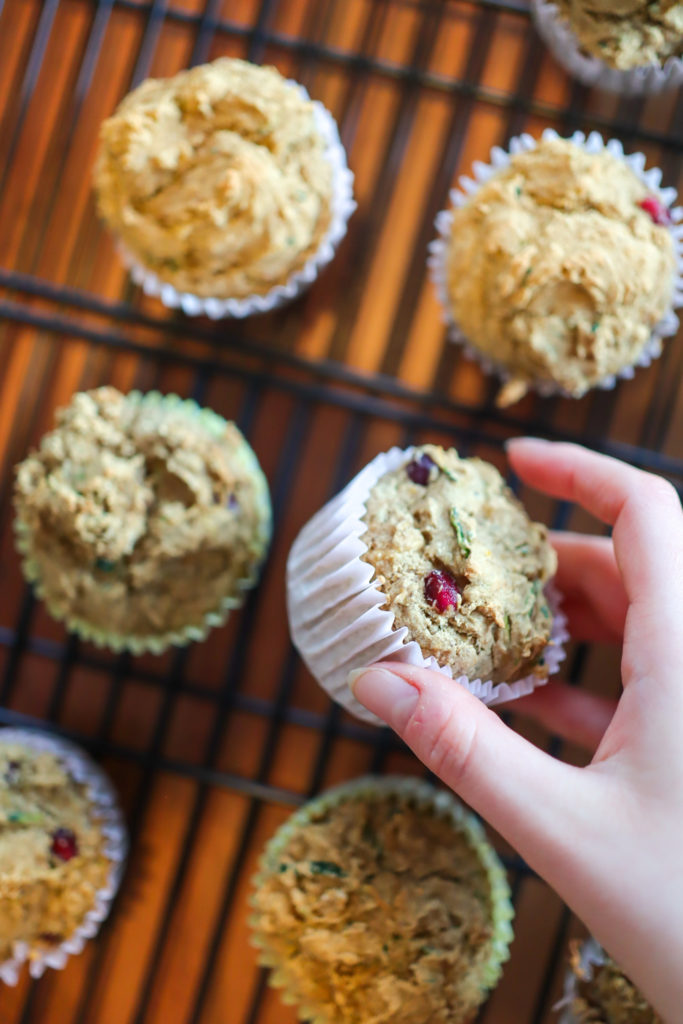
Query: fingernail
{"type": "Point", "coordinates": [512, 442]}
{"type": "Point", "coordinates": [387, 695]}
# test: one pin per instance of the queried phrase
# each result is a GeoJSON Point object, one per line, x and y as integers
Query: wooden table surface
{"type": "Point", "coordinates": [211, 747]}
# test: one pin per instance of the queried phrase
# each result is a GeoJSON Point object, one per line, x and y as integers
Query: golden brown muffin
{"type": "Point", "coordinates": [216, 179]}
{"type": "Point", "coordinates": [381, 902]}
{"type": "Point", "coordinates": [52, 851]}
{"type": "Point", "coordinates": [559, 267]}
{"type": "Point", "coordinates": [627, 34]}
{"type": "Point", "coordinates": [606, 996]}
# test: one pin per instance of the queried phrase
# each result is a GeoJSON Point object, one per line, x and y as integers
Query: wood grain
{"type": "Point", "coordinates": [191, 739]}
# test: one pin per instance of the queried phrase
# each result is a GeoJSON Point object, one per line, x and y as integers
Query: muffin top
{"type": "Point", "coordinates": [559, 267]}
{"type": "Point", "coordinates": [216, 179]}
{"type": "Point", "coordinates": [461, 564]}
{"type": "Point", "coordinates": [627, 33]}
{"type": "Point", "coordinates": [52, 859]}
{"type": "Point", "coordinates": [606, 996]}
{"type": "Point", "coordinates": [141, 512]}
{"type": "Point", "coordinates": [380, 911]}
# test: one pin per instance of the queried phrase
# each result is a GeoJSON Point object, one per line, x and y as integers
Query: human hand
{"type": "Point", "coordinates": [595, 603]}
{"type": "Point", "coordinates": [609, 837]}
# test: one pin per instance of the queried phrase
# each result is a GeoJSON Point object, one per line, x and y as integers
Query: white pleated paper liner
{"type": "Point", "coordinates": [481, 172]}
{"type": "Point", "coordinates": [103, 796]}
{"type": "Point", "coordinates": [557, 34]}
{"type": "Point", "coordinates": [342, 206]}
{"type": "Point", "coordinates": [336, 618]}
{"type": "Point", "coordinates": [591, 954]}
{"type": "Point", "coordinates": [443, 804]}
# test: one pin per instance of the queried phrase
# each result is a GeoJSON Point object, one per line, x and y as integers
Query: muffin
{"type": "Point", "coordinates": [598, 992]}
{"type": "Point", "coordinates": [461, 564]}
{"type": "Point", "coordinates": [141, 518]}
{"type": "Point", "coordinates": [627, 46]}
{"type": "Point", "coordinates": [559, 266]}
{"type": "Point", "coordinates": [381, 901]}
{"type": "Point", "coordinates": [428, 558]}
{"type": "Point", "coordinates": [627, 33]}
{"type": "Point", "coordinates": [61, 848]}
{"type": "Point", "coordinates": [223, 182]}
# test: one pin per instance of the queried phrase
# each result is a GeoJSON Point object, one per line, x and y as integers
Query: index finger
{"type": "Point", "coordinates": [588, 577]}
{"type": "Point", "coordinates": [644, 510]}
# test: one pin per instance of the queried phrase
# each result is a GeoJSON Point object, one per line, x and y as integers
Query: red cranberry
{"type": "Point", "coordinates": [441, 590]}
{"type": "Point", "coordinates": [656, 210]}
{"type": "Point", "coordinates": [64, 844]}
{"type": "Point", "coordinates": [419, 469]}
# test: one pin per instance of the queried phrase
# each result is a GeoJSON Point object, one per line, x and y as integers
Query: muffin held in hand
{"type": "Point", "coordinates": [216, 180]}
{"type": "Point", "coordinates": [627, 34]}
{"type": "Point", "coordinates": [61, 848]}
{"type": "Point", "coordinates": [559, 267]}
{"type": "Point", "coordinates": [141, 518]}
{"type": "Point", "coordinates": [461, 565]}
{"type": "Point", "coordinates": [428, 558]}
{"type": "Point", "coordinates": [598, 992]}
{"type": "Point", "coordinates": [382, 902]}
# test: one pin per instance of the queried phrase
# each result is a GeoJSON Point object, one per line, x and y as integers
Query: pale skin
{"type": "Point", "coordinates": [608, 837]}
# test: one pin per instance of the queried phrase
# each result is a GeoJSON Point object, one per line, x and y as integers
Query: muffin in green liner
{"type": "Point", "coordinates": [598, 992]}
{"type": "Point", "coordinates": [382, 901]}
{"type": "Point", "coordinates": [141, 519]}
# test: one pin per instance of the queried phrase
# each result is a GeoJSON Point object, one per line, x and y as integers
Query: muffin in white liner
{"type": "Point", "coordinates": [585, 957]}
{"type": "Point", "coordinates": [342, 206]}
{"type": "Point", "coordinates": [335, 612]}
{"type": "Point", "coordinates": [563, 43]}
{"type": "Point", "coordinates": [589, 953]}
{"type": "Point", "coordinates": [413, 793]}
{"type": "Point", "coordinates": [482, 172]}
{"type": "Point", "coordinates": [103, 797]}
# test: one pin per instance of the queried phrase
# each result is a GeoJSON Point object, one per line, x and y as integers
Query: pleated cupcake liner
{"type": "Point", "coordinates": [342, 206]}
{"type": "Point", "coordinates": [336, 618]}
{"type": "Point", "coordinates": [103, 797]}
{"type": "Point", "coordinates": [556, 32]}
{"type": "Point", "coordinates": [591, 954]}
{"type": "Point", "coordinates": [444, 805]}
{"type": "Point", "coordinates": [214, 424]}
{"type": "Point", "coordinates": [498, 160]}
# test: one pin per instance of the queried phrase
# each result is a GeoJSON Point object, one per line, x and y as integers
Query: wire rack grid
{"type": "Point", "coordinates": [212, 746]}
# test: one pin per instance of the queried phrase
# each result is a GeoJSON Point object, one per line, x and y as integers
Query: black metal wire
{"type": "Point", "coordinates": [426, 79]}
{"type": "Point", "coordinates": [205, 33]}
{"type": "Point", "coordinates": [58, 151]}
{"type": "Point", "coordinates": [351, 442]}
{"type": "Point", "coordinates": [102, 747]}
{"type": "Point", "coordinates": [646, 457]}
{"type": "Point", "coordinates": [41, 39]}
{"type": "Point", "coordinates": [288, 460]}
{"type": "Point", "coordinates": [236, 354]}
{"type": "Point", "coordinates": [436, 199]}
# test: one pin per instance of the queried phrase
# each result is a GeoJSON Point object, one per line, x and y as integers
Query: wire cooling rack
{"type": "Point", "coordinates": [212, 746]}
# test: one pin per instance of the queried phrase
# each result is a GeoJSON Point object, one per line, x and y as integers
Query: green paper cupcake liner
{"type": "Point", "coordinates": [444, 805]}
{"type": "Point", "coordinates": [214, 425]}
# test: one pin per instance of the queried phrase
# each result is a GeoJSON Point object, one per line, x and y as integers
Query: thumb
{"type": "Point", "coordinates": [540, 805]}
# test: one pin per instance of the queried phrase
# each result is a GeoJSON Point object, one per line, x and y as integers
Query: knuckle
{"type": "Point", "coordinates": [447, 747]}
{"type": "Point", "coordinates": [660, 490]}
